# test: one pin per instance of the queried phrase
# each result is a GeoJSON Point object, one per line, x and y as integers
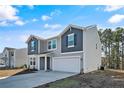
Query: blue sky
{"type": "Point", "coordinates": [18, 22]}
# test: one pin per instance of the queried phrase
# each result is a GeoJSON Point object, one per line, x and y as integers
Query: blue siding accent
{"type": "Point", "coordinates": [35, 49]}
{"type": "Point", "coordinates": [78, 41]}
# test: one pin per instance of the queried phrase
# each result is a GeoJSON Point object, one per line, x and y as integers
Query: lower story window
{"type": "Point", "coordinates": [30, 62]}
{"type": "Point", "coordinates": [34, 63]}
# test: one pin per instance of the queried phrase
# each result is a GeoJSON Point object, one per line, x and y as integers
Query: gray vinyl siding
{"type": "Point", "coordinates": [45, 45]}
{"type": "Point", "coordinates": [42, 46]}
{"type": "Point", "coordinates": [79, 41]}
{"type": "Point", "coordinates": [29, 47]}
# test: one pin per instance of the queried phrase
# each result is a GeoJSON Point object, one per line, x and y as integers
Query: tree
{"type": "Point", "coordinates": [112, 42]}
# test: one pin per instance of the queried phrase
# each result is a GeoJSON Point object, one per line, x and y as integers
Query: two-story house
{"type": "Point", "coordinates": [76, 49]}
{"type": "Point", "coordinates": [12, 57]}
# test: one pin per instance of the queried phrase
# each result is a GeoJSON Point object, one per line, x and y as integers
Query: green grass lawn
{"type": "Point", "coordinates": [65, 83]}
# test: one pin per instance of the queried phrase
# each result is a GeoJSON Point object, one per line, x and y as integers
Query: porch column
{"type": "Point", "coordinates": [45, 62]}
{"type": "Point", "coordinates": [38, 62]}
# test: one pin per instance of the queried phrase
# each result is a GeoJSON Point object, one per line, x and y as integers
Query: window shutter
{"type": "Point", "coordinates": [66, 40]}
{"type": "Point", "coordinates": [75, 39]}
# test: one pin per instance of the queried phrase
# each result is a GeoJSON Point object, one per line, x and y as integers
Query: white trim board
{"type": "Point", "coordinates": [73, 52]}
{"type": "Point", "coordinates": [67, 57]}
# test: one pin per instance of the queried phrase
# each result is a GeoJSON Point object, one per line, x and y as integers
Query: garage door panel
{"type": "Point", "coordinates": [68, 64]}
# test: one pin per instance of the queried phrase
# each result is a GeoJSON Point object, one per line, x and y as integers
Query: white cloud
{"type": "Point", "coordinates": [110, 8]}
{"type": "Point", "coordinates": [3, 23]}
{"type": "Point", "coordinates": [31, 6]}
{"type": "Point", "coordinates": [34, 19]}
{"type": "Point", "coordinates": [19, 22]}
{"type": "Point", "coordinates": [8, 16]}
{"type": "Point", "coordinates": [8, 13]}
{"type": "Point", "coordinates": [52, 26]}
{"type": "Point", "coordinates": [23, 38]}
{"type": "Point", "coordinates": [45, 17]}
{"type": "Point", "coordinates": [7, 39]}
{"type": "Point", "coordinates": [116, 18]}
{"type": "Point", "coordinates": [55, 12]}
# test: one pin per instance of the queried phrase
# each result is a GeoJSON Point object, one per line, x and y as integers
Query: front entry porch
{"type": "Point", "coordinates": [44, 63]}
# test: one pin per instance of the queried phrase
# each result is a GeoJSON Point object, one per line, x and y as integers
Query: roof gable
{"type": "Point", "coordinates": [69, 27]}
{"type": "Point", "coordinates": [33, 36]}
{"type": "Point", "coordinates": [8, 48]}
{"type": "Point", "coordinates": [66, 29]}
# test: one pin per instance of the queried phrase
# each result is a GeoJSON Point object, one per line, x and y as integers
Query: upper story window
{"type": "Point", "coordinates": [12, 53]}
{"type": "Point", "coordinates": [33, 45]}
{"type": "Point", "coordinates": [71, 40]}
{"type": "Point", "coordinates": [52, 44]}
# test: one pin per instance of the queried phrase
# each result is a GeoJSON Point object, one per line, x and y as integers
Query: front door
{"type": "Point", "coordinates": [42, 63]}
{"type": "Point", "coordinates": [48, 63]}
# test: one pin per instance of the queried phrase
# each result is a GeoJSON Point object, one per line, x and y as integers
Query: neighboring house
{"type": "Point", "coordinates": [76, 49]}
{"type": "Point", "coordinates": [14, 57]}
{"type": "Point", "coordinates": [2, 64]}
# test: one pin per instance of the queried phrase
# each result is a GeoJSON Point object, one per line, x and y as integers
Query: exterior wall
{"type": "Point", "coordinates": [36, 63]}
{"type": "Point", "coordinates": [21, 57]}
{"type": "Point", "coordinates": [56, 51]}
{"type": "Point", "coordinates": [29, 47]}
{"type": "Point", "coordinates": [92, 55]}
{"type": "Point", "coordinates": [42, 46]}
{"type": "Point", "coordinates": [6, 57]}
{"type": "Point", "coordinates": [79, 41]}
{"type": "Point", "coordinates": [1, 61]}
{"type": "Point", "coordinates": [45, 46]}
{"type": "Point", "coordinates": [11, 58]}
{"type": "Point", "coordinates": [87, 41]}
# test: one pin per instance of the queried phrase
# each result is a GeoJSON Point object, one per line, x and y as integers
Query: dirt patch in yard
{"type": "Point", "coordinates": [9, 72]}
{"type": "Point", "coordinates": [26, 71]}
{"type": "Point", "coordinates": [96, 79]}
{"type": "Point", "coordinates": [13, 72]}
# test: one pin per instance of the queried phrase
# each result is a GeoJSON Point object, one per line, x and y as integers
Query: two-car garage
{"type": "Point", "coordinates": [66, 64]}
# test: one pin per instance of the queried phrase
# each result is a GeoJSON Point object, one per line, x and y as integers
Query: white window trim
{"type": "Point", "coordinates": [69, 46]}
{"type": "Point", "coordinates": [51, 43]}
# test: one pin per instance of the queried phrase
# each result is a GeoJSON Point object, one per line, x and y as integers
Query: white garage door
{"type": "Point", "coordinates": [66, 64]}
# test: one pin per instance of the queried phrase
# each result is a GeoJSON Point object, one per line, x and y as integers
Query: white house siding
{"type": "Point", "coordinates": [36, 66]}
{"type": "Point", "coordinates": [12, 58]}
{"type": "Point", "coordinates": [1, 61]}
{"type": "Point", "coordinates": [21, 57]}
{"type": "Point", "coordinates": [6, 53]}
{"type": "Point", "coordinates": [92, 56]}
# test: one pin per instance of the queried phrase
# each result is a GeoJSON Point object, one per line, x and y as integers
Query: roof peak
{"type": "Point", "coordinates": [67, 27]}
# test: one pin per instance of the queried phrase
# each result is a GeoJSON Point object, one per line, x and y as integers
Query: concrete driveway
{"type": "Point", "coordinates": [33, 79]}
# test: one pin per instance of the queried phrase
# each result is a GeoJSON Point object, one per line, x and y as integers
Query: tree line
{"type": "Point", "coordinates": [112, 47]}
